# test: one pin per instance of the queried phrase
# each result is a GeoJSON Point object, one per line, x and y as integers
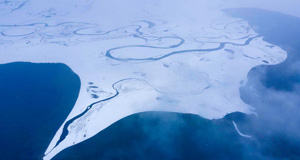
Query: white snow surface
{"type": "Point", "coordinates": [141, 56]}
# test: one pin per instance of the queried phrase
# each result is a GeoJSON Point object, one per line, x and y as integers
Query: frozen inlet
{"type": "Point", "coordinates": [241, 134]}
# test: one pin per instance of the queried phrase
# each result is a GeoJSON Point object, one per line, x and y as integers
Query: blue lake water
{"type": "Point", "coordinates": [35, 99]}
{"type": "Point", "coordinates": [159, 135]}
{"type": "Point", "coordinates": [275, 132]}
{"type": "Point", "coordinates": [274, 90]}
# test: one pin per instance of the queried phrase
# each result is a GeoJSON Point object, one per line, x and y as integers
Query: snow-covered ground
{"type": "Point", "coordinates": [137, 57]}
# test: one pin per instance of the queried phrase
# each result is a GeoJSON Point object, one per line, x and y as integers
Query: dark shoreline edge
{"type": "Point", "coordinates": [160, 135]}
{"type": "Point", "coordinates": [35, 99]}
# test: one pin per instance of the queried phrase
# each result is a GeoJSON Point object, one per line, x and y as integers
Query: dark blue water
{"type": "Point", "coordinates": [158, 135]}
{"type": "Point", "coordinates": [35, 99]}
{"type": "Point", "coordinates": [275, 132]}
{"type": "Point", "coordinates": [275, 90]}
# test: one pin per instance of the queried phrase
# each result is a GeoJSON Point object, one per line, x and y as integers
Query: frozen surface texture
{"type": "Point", "coordinates": [133, 59]}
